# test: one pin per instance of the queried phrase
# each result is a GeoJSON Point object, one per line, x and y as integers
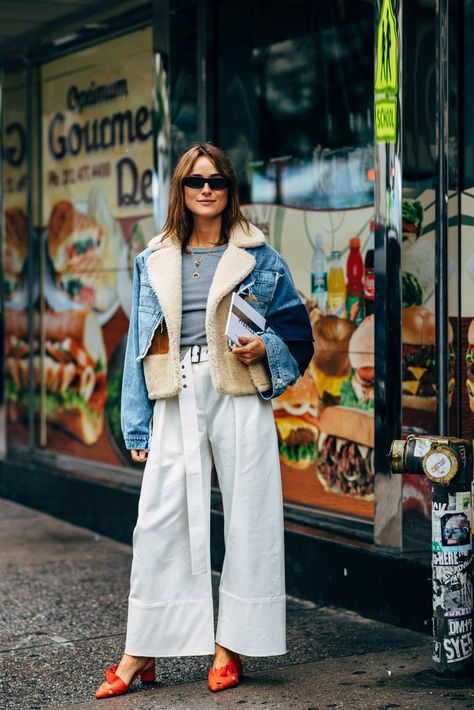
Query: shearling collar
{"type": "Point", "coordinates": [164, 272]}
{"type": "Point", "coordinates": [238, 238]}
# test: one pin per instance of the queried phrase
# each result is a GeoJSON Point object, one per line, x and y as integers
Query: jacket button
{"type": "Point", "coordinates": [184, 377]}
{"type": "Point", "coordinates": [184, 386]}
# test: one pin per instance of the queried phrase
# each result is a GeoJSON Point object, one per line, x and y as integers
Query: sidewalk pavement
{"type": "Point", "coordinates": [63, 593]}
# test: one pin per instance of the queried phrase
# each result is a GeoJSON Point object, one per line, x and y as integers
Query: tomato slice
{"type": "Point", "coordinates": [367, 373]}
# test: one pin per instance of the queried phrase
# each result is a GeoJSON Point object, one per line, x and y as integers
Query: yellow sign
{"type": "Point", "coordinates": [386, 120]}
{"type": "Point", "coordinates": [97, 126]}
{"type": "Point", "coordinates": [386, 80]}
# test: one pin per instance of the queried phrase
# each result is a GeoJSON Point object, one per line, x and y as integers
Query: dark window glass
{"type": "Point", "coordinates": [419, 94]}
{"type": "Point", "coordinates": [295, 94]}
{"type": "Point", "coordinates": [468, 96]}
{"type": "Point", "coordinates": [183, 42]}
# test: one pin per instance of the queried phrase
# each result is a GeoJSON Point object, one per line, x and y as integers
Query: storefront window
{"type": "Point", "coordinates": [419, 401]}
{"type": "Point", "coordinates": [184, 87]}
{"type": "Point", "coordinates": [97, 204]}
{"type": "Point", "coordinates": [16, 258]}
{"type": "Point", "coordinates": [420, 346]}
{"type": "Point", "coordinates": [418, 220]}
{"type": "Point", "coordinates": [294, 111]}
{"type": "Point", "coordinates": [466, 157]}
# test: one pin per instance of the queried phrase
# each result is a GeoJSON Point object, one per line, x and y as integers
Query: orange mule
{"type": "Point", "coordinates": [225, 677]}
{"type": "Point", "coordinates": [114, 685]}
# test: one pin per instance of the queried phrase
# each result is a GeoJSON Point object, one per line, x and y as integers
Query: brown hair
{"type": "Point", "coordinates": [179, 221]}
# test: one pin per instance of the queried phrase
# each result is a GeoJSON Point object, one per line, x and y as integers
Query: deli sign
{"type": "Point", "coordinates": [98, 124]}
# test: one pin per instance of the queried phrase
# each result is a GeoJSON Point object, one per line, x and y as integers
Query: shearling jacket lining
{"type": "Point", "coordinates": [152, 362]}
{"type": "Point", "coordinates": [229, 375]}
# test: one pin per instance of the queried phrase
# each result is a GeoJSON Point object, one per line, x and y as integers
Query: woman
{"type": "Point", "coordinates": [209, 404]}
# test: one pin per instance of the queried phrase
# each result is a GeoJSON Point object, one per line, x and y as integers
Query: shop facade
{"type": "Point", "coordinates": [334, 134]}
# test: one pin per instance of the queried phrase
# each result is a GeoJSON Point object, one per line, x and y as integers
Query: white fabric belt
{"type": "Point", "coordinates": [192, 460]}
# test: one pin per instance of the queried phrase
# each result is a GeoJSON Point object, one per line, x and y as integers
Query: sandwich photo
{"type": "Point", "coordinates": [14, 250]}
{"type": "Point", "coordinates": [78, 250]}
{"type": "Point", "coordinates": [412, 220]}
{"type": "Point", "coordinates": [470, 365]}
{"type": "Point", "coordinates": [358, 391]}
{"type": "Point", "coordinates": [345, 452]}
{"type": "Point", "coordinates": [295, 419]}
{"type": "Point", "coordinates": [330, 365]}
{"type": "Point", "coordinates": [418, 257]}
{"type": "Point", "coordinates": [418, 273]}
{"type": "Point", "coordinates": [419, 359]}
{"type": "Point", "coordinates": [74, 370]}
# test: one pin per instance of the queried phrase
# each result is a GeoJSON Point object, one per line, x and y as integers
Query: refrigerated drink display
{"type": "Point", "coordinates": [336, 287]}
{"type": "Point", "coordinates": [355, 283]}
{"type": "Point", "coordinates": [319, 275]}
{"type": "Point", "coordinates": [369, 274]}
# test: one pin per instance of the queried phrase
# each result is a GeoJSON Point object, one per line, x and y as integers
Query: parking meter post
{"type": "Point", "coordinates": [448, 463]}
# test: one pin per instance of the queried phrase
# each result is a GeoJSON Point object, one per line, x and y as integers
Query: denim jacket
{"type": "Point", "coordinates": [152, 361]}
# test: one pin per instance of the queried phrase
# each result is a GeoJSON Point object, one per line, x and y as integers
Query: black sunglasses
{"type": "Point", "coordinates": [197, 183]}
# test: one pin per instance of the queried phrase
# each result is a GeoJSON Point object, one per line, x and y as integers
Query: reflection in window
{"type": "Point", "coordinates": [296, 103]}
{"type": "Point", "coordinates": [183, 28]}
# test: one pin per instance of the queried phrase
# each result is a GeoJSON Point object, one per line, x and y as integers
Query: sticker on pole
{"type": "Point", "coordinates": [452, 589]}
{"type": "Point", "coordinates": [440, 465]}
{"type": "Point", "coordinates": [451, 534]}
{"type": "Point", "coordinates": [422, 446]}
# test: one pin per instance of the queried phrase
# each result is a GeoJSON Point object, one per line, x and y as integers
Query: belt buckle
{"type": "Point", "coordinates": [195, 358]}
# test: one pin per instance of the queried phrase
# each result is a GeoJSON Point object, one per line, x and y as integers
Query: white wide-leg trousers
{"type": "Point", "coordinates": [170, 603]}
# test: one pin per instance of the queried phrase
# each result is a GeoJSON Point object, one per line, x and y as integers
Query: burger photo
{"type": "Point", "coordinates": [14, 250]}
{"type": "Point", "coordinates": [345, 452]}
{"type": "Point", "coordinates": [74, 370]}
{"type": "Point", "coordinates": [330, 365]}
{"type": "Point", "coordinates": [295, 418]}
{"type": "Point", "coordinates": [419, 359]}
{"type": "Point", "coordinates": [470, 365]}
{"type": "Point", "coordinates": [346, 439]}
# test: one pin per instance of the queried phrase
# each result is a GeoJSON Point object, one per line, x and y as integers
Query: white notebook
{"type": "Point", "coordinates": [243, 320]}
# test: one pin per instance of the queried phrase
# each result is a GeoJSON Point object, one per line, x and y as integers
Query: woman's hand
{"type": "Point", "coordinates": [250, 350]}
{"type": "Point", "coordinates": [139, 455]}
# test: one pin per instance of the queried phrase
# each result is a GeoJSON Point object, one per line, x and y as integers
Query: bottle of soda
{"type": "Point", "coordinates": [319, 275]}
{"type": "Point", "coordinates": [336, 287]}
{"type": "Point", "coordinates": [369, 274]}
{"type": "Point", "coordinates": [355, 282]}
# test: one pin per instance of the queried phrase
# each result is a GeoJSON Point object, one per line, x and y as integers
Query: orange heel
{"type": "Point", "coordinates": [114, 685]}
{"type": "Point", "coordinates": [226, 677]}
{"type": "Point", "coordinates": [149, 676]}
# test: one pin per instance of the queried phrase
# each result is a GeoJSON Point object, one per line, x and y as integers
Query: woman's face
{"type": "Point", "coordinates": [205, 202]}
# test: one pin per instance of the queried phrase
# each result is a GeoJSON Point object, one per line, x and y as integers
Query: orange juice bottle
{"type": "Point", "coordinates": [336, 287]}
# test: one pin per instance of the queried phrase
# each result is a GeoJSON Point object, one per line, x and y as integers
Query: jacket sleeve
{"type": "Point", "coordinates": [288, 335]}
{"type": "Point", "coordinates": [137, 408]}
